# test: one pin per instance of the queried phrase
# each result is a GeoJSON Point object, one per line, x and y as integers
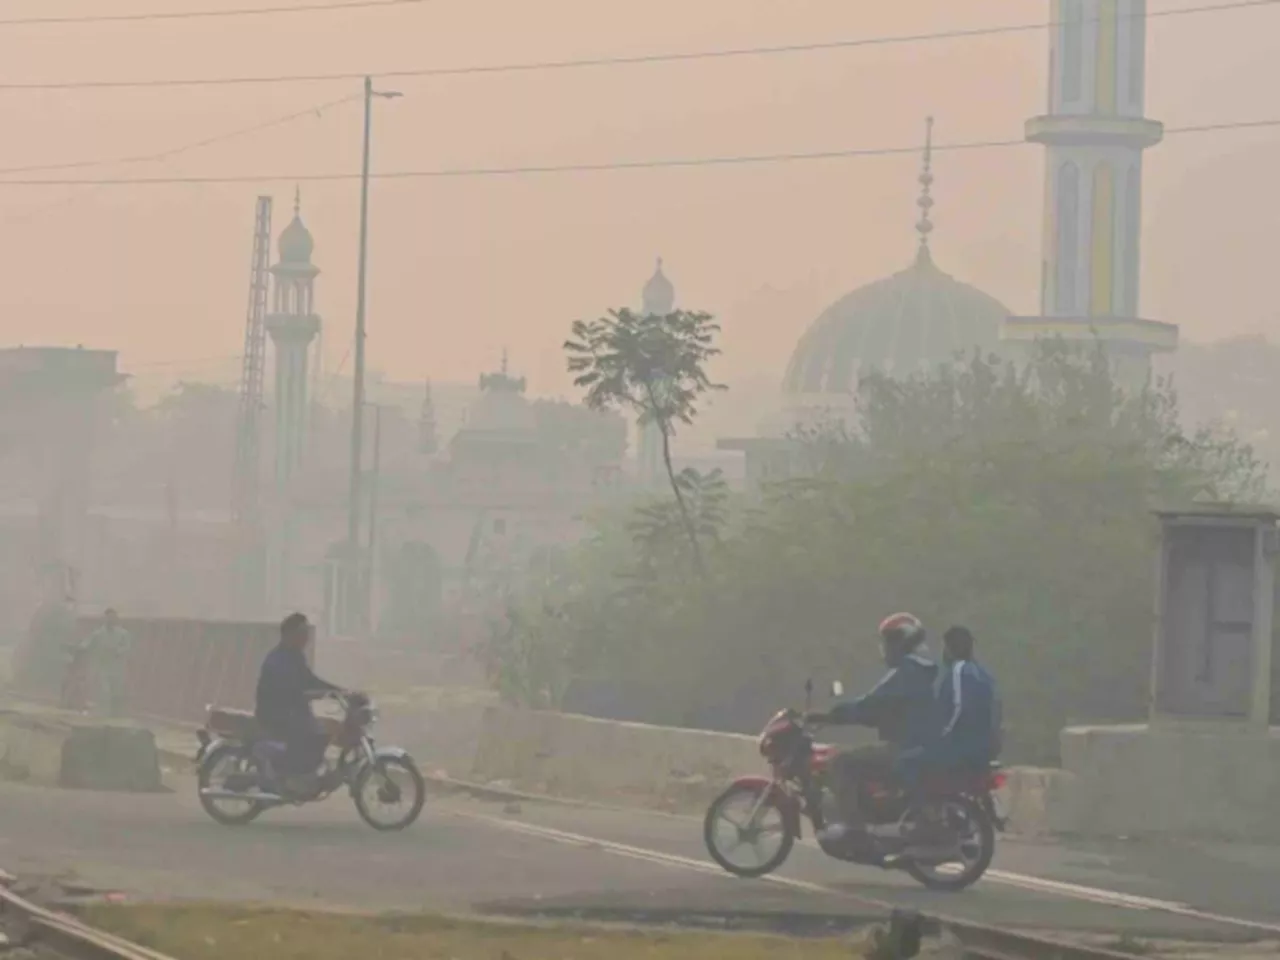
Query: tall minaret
{"type": "Point", "coordinates": [1095, 134]}
{"type": "Point", "coordinates": [658, 298]}
{"type": "Point", "coordinates": [293, 325]}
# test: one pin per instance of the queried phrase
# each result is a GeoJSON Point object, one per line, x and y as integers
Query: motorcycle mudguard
{"type": "Point", "coordinates": [786, 803]}
{"type": "Point", "coordinates": [207, 749]}
{"type": "Point", "coordinates": [391, 753]}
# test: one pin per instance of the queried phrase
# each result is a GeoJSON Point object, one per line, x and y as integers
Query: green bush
{"type": "Point", "coordinates": [1015, 501]}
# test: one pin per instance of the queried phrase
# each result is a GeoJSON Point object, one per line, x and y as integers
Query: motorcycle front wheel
{"type": "Point", "coordinates": [389, 781]}
{"type": "Point", "coordinates": [746, 834]}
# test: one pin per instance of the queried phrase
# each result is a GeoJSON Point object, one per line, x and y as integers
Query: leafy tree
{"type": "Point", "coordinates": [654, 366]}
{"type": "Point", "coordinates": [1014, 501]}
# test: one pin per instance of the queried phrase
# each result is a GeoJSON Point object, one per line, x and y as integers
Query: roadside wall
{"type": "Point", "coordinates": [177, 667]}
{"type": "Point", "coordinates": [678, 770]}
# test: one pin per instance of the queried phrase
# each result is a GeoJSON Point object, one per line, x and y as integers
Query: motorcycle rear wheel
{"type": "Point", "coordinates": [204, 781]}
{"type": "Point", "coordinates": [716, 816]}
{"type": "Point", "coordinates": [972, 871]}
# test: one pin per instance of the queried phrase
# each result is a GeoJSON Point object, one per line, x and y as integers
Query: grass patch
{"type": "Point", "coordinates": [202, 932]}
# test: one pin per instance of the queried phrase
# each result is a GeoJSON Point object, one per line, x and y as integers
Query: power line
{"type": "Point", "coordinates": [618, 61]}
{"type": "Point", "coordinates": [203, 14]}
{"type": "Point", "coordinates": [313, 111]}
{"type": "Point", "coordinates": [603, 166]}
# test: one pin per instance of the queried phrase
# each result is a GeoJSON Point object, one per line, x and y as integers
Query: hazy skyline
{"type": "Point", "coordinates": [461, 267]}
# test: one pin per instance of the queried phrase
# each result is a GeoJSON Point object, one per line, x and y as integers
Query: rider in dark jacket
{"type": "Point", "coordinates": [286, 687]}
{"type": "Point", "coordinates": [900, 707]}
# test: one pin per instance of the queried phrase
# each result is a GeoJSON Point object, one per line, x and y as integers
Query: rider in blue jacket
{"type": "Point", "coordinates": [968, 709]}
{"type": "Point", "coordinates": [900, 707]}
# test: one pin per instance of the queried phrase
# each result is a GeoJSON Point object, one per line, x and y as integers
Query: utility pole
{"type": "Point", "coordinates": [374, 477]}
{"type": "Point", "coordinates": [355, 572]}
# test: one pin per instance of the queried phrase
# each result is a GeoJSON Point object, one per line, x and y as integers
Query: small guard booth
{"type": "Point", "coordinates": [1208, 761]}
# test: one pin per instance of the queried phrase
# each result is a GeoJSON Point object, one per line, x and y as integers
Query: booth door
{"type": "Point", "coordinates": [1208, 623]}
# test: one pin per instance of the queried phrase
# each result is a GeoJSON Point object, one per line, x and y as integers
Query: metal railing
{"type": "Point", "coordinates": [30, 923]}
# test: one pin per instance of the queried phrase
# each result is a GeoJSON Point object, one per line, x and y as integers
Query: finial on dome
{"type": "Point", "coordinates": [504, 361]}
{"type": "Point", "coordinates": [297, 201]}
{"type": "Point", "coordinates": [924, 226]}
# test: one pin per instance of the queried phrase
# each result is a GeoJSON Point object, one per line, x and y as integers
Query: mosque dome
{"type": "Point", "coordinates": [659, 296]}
{"type": "Point", "coordinates": [918, 318]}
{"type": "Point", "coordinates": [295, 244]}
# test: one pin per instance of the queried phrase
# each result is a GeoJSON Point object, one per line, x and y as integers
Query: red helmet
{"type": "Point", "coordinates": [901, 633]}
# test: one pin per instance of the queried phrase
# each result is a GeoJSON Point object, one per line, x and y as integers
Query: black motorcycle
{"type": "Point", "coordinates": [239, 774]}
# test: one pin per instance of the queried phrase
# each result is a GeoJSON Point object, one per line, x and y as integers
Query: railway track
{"type": "Point", "coordinates": [31, 926]}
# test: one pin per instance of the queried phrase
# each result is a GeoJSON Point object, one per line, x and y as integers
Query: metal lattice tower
{"type": "Point", "coordinates": [246, 494]}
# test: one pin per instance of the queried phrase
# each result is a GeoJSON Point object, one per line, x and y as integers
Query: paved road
{"type": "Point", "coordinates": [467, 854]}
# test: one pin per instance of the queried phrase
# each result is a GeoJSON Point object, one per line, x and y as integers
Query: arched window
{"type": "Point", "coordinates": [1068, 217]}
{"type": "Point", "coordinates": [1072, 50]}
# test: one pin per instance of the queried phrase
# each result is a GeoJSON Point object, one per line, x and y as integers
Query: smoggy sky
{"type": "Point", "coordinates": [460, 267]}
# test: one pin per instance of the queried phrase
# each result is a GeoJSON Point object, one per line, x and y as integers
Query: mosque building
{"type": "Point", "coordinates": [922, 317]}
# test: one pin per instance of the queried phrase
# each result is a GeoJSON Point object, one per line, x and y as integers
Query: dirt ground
{"type": "Point", "coordinates": [201, 932]}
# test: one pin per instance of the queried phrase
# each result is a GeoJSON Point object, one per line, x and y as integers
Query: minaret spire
{"type": "Point", "coordinates": [924, 226]}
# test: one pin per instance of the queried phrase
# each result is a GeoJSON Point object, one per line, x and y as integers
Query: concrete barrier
{"type": "Point", "coordinates": [1216, 781]}
{"type": "Point", "coordinates": [55, 751]}
{"type": "Point", "coordinates": [673, 769]}
{"type": "Point", "coordinates": [628, 764]}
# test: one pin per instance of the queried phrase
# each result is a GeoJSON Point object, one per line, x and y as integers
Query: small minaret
{"type": "Point", "coordinates": [293, 325]}
{"type": "Point", "coordinates": [428, 441]}
{"type": "Point", "coordinates": [1094, 137]}
{"type": "Point", "coordinates": [658, 298]}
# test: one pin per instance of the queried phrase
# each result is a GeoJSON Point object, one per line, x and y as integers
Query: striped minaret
{"type": "Point", "coordinates": [1095, 134]}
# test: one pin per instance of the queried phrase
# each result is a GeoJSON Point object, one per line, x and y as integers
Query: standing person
{"type": "Point", "coordinates": [286, 687]}
{"type": "Point", "coordinates": [900, 707]}
{"type": "Point", "coordinates": [51, 639]}
{"type": "Point", "coordinates": [61, 638]}
{"type": "Point", "coordinates": [108, 649]}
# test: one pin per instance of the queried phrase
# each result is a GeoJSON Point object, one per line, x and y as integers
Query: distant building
{"type": "Point", "coordinates": [54, 402]}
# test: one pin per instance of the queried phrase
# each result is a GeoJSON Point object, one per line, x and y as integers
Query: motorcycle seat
{"type": "Point", "coordinates": [240, 724]}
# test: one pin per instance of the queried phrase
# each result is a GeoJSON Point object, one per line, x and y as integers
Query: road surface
{"type": "Point", "coordinates": [475, 855]}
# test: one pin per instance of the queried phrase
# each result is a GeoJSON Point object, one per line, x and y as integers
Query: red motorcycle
{"type": "Point", "coordinates": [761, 816]}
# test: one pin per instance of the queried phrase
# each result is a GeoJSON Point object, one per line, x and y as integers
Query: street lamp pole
{"type": "Point", "coordinates": [355, 567]}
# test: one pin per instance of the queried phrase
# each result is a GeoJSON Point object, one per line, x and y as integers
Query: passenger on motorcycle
{"type": "Point", "coordinates": [286, 687]}
{"type": "Point", "coordinates": [969, 711]}
{"type": "Point", "coordinates": [902, 709]}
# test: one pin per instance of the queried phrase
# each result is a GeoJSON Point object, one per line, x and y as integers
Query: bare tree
{"type": "Point", "coordinates": [654, 365]}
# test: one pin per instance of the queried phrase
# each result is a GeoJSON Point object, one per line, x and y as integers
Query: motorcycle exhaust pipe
{"type": "Point", "coordinates": [210, 794]}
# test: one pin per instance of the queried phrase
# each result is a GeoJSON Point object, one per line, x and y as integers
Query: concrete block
{"type": "Point", "coordinates": [61, 752]}
{"type": "Point", "coordinates": [1036, 800]}
{"type": "Point", "coordinates": [1211, 782]}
